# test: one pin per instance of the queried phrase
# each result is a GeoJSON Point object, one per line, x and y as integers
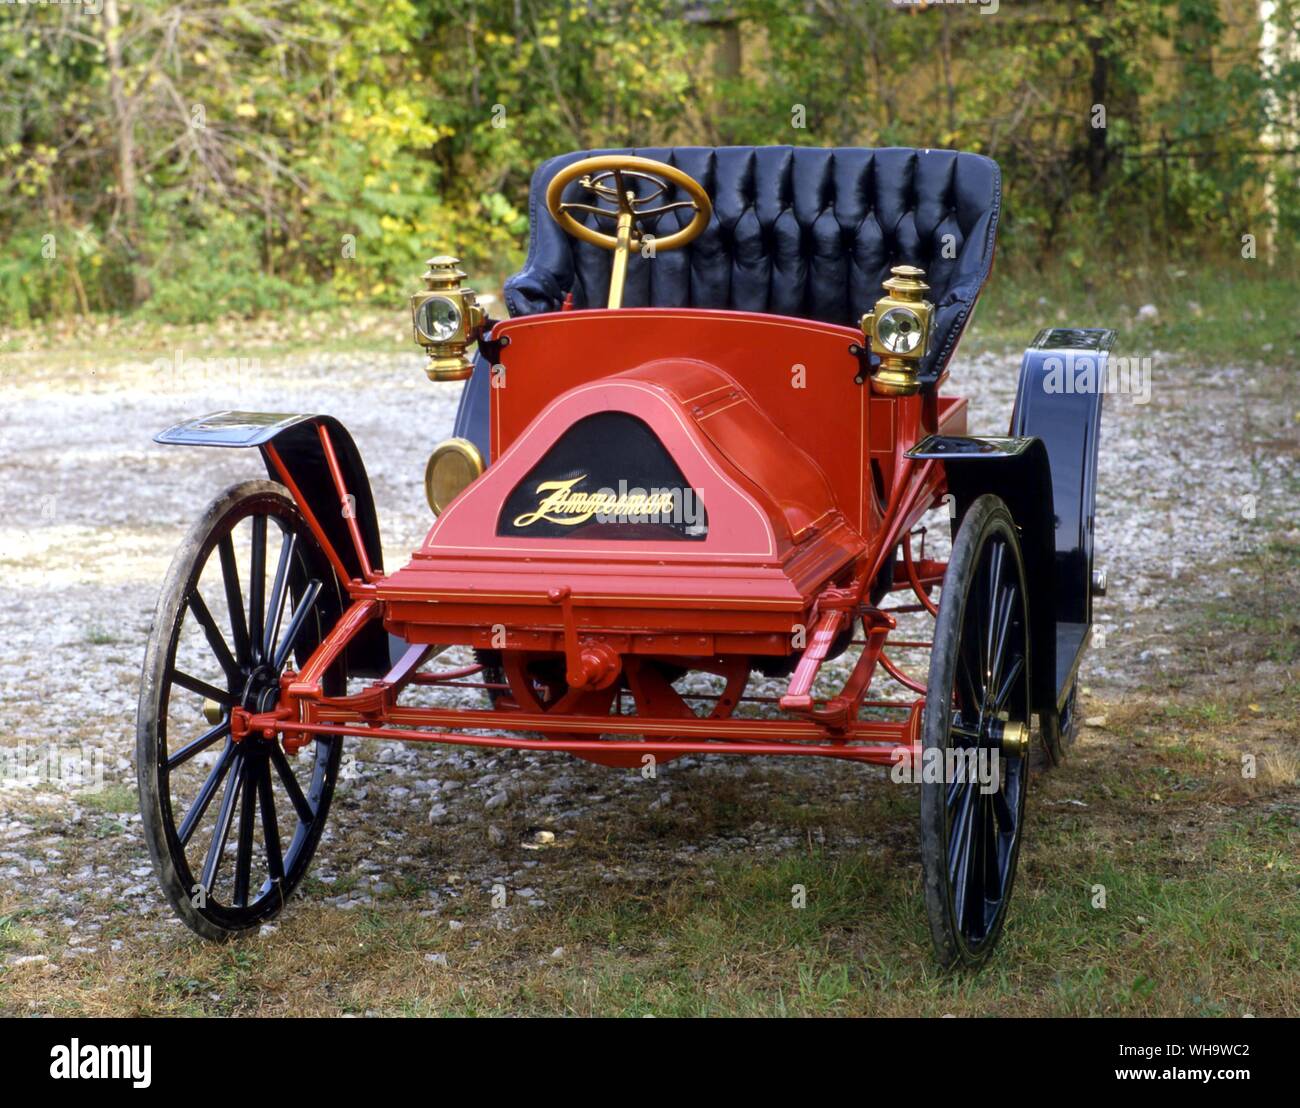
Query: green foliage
{"type": "Point", "coordinates": [242, 156]}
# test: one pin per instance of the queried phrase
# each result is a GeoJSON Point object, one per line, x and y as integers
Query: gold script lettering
{"type": "Point", "coordinates": [560, 504]}
{"type": "Point", "coordinates": [558, 501]}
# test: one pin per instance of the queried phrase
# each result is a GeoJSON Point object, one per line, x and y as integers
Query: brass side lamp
{"type": "Point", "coordinates": [447, 320]}
{"type": "Point", "coordinates": [898, 329]}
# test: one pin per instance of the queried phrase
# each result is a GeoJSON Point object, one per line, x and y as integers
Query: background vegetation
{"type": "Point", "coordinates": [209, 157]}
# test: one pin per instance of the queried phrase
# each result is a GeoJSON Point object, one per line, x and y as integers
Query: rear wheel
{"type": "Point", "coordinates": [493, 676]}
{"type": "Point", "coordinates": [975, 732]}
{"type": "Point", "coordinates": [232, 826]}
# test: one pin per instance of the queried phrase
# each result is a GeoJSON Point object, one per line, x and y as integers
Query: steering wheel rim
{"type": "Point", "coordinates": [611, 164]}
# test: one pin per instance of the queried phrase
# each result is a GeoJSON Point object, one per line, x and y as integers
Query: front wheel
{"type": "Point", "coordinates": [232, 826]}
{"type": "Point", "coordinates": [975, 738]}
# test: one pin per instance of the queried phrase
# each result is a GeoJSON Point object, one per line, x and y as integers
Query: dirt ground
{"type": "Point", "coordinates": [665, 896]}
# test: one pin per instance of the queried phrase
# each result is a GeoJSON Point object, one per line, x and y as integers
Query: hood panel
{"type": "Point", "coordinates": [764, 538]}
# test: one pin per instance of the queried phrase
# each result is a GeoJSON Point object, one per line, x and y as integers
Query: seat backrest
{"type": "Point", "coordinates": [796, 230]}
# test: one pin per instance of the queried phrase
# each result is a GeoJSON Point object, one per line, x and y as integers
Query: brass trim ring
{"type": "Point", "coordinates": [466, 450]}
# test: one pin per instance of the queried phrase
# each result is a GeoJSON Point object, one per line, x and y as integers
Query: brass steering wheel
{"type": "Point", "coordinates": [612, 177]}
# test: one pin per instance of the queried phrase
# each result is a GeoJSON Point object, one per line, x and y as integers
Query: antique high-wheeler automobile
{"type": "Point", "coordinates": [693, 462]}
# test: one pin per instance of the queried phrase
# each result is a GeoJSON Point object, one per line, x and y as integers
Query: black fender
{"type": "Point", "coordinates": [1058, 400]}
{"type": "Point", "coordinates": [1018, 471]}
{"type": "Point", "coordinates": [1047, 474]}
{"type": "Point", "coordinates": [298, 444]}
{"type": "Point", "coordinates": [1062, 382]}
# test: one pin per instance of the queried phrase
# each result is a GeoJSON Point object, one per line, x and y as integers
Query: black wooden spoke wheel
{"type": "Point", "coordinates": [232, 826]}
{"type": "Point", "coordinates": [976, 717]}
{"type": "Point", "coordinates": [492, 675]}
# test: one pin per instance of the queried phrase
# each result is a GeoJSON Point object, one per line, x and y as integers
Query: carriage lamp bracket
{"type": "Point", "coordinates": [867, 361]}
{"type": "Point", "coordinates": [489, 347]}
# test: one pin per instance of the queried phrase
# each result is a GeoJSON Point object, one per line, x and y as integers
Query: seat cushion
{"type": "Point", "coordinates": [796, 230]}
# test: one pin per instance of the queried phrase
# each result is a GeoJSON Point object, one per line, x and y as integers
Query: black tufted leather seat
{"type": "Point", "coordinates": [799, 231]}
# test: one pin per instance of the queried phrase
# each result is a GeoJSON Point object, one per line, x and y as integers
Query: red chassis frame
{"type": "Point", "coordinates": [885, 515]}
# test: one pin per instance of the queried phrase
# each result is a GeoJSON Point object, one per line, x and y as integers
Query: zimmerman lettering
{"type": "Point", "coordinates": [561, 504]}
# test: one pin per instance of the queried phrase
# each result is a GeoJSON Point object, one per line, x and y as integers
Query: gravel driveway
{"type": "Point", "coordinates": [94, 510]}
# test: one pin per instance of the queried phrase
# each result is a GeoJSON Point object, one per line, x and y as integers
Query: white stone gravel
{"type": "Point", "coordinates": [93, 510]}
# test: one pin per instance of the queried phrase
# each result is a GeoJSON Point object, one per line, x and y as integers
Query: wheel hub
{"type": "Point", "coordinates": [261, 690]}
{"type": "Point", "coordinates": [1009, 736]}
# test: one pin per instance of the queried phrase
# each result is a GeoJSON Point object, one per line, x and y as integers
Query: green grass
{"type": "Point", "coordinates": [1200, 918]}
{"type": "Point", "coordinates": [1232, 311]}
{"type": "Point", "coordinates": [114, 799]}
{"type": "Point", "coordinates": [1172, 937]}
{"type": "Point", "coordinates": [14, 934]}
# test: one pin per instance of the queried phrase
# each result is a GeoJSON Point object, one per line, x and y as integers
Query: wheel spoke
{"type": "Point", "coordinates": [291, 786]}
{"type": "Point", "coordinates": [244, 851]}
{"type": "Point", "coordinates": [959, 830]}
{"type": "Point", "coordinates": [257, 585]}
{"type": "Point", "coordinates": [234, 600]}
{"type": "Point", "coordinates": [215, 640]}
{"type": "Point", "coordinates": [968, 687]}
{"type": "Point", "coordinates": [1003, 610]}
{"type": "Point", "coordinates": [970, 671]}
{"type": "Point", "coordinates": [202, 688]}
{"type": "Point", "coordinates": [296, 622]}
{"type": "Point", "coordinates": [1013, 785]}
{"type": "Point", "coordinates": [992, 867]}
{"type": "Point", "coordinates": [972, 924]}
{"type": "Point", "coordinates": [989, 600]}
{"type": "Point", "coordinates": [1008, 684]}
{"type": "Point", "coordinates": [225, 816]}
{"type": "Point", "coordinates": [206, 792]}
{"type": "Point", "coordinates": [969, 733]}
{"type": "Point", "coordinates": [1003, 810]}
{"type": "Point", "coordinates": [270, 827]}
{"type": "Point", "coordinates": [211, 735]}
{"type": "Point", "coordinates": [959, 852]}
{"type": "Point", "coordinates": [275, 610]}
